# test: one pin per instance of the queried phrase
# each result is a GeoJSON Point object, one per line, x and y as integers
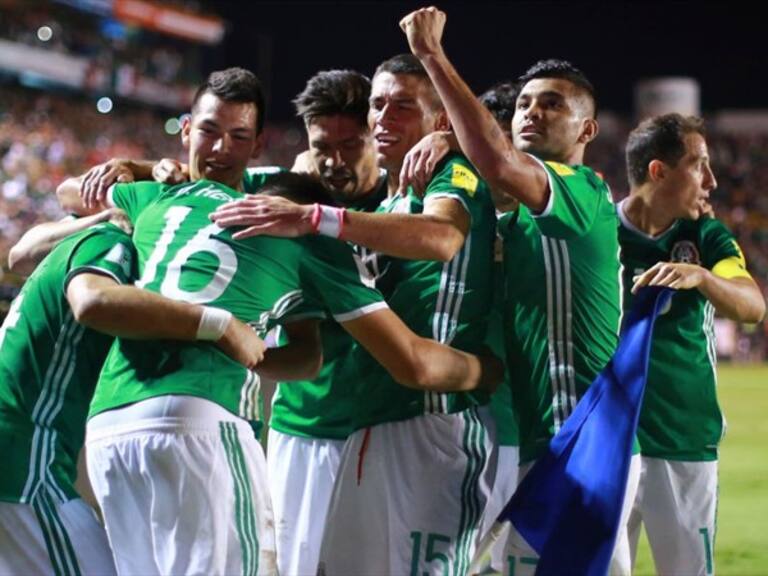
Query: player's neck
{"type": "Point", "coordinates": [645, 213]}
{"type": "Point", "coordinates": [393, 181]}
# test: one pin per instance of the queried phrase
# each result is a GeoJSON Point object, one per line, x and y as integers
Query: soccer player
{"type": "Point", "coordinates": [180, 410]}
{"type": "Point", "coordinates": [311, 419]}
{"type": "Point", "coordinates": [562, 293]}
{"type": "Point", "coordinates": [666, 241]}
{"type": "Point", "coordinates": [444, 291]}
{"type": "Point", "coordinates": [50, 357]}
{"type": "Point", "coordinates": [500, 100]}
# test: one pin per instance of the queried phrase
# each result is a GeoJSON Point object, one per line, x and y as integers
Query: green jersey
{"type": "Point", "coordinates": [562, 300]}
{"type": "Point", "coordinates": [49, 365]}
{"type": "Point", "coordinates": [680, 418]}
{"type": "Point", "coordinates": [446, 301]}
{"type": "Point", "coordinates": [184, 256]}
{"type": "Point", "coordinates": [322, 408]}
{"type": "Point", "coordinates": [502, 406]}
{"type": "Point", "coordinates": [257, 176]}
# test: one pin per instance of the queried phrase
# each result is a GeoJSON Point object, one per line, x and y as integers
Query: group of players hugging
{"type": "Point", "coordinates": [423, 235]}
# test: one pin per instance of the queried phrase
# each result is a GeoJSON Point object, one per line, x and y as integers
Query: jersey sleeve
{"type": "Point", "coordinates": [456, 178]}
{"type": "Point", "coordinates": [576, 197]}
{"type": "Point", "coordinates": [334, 277]}
{"type": "Point", "coordinates": [133, 197]}
{"type": "Point", "coordinates": [107, 251]}
{"type": "Point", "coordinates": [720, 251]}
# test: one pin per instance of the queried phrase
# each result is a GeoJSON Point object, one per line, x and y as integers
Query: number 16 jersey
{"type": "Point", "coordinates": [184, 256]}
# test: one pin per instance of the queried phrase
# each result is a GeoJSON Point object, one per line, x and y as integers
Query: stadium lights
{"type": "Point", "coordinates": [172, 126]}
{"type": "Point", "coordinates": [44, 33]}
{"type": "Point", "coordinates": [104, 105]}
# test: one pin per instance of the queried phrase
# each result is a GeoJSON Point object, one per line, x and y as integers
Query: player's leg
{"type": "Point", "coordinates": [621, 561]}
{"type": "Point", "coordinates": [50, 537]}
{"type": "Point", "coordinates": [183, 495]}
{"type": "Point", "coordinates": [410, 496]}
{"type": "Point", "coordinates": [635, 522]}
{"type": "Point", "coordinates": [679, 513]}
{"type": "Point", "coordinates": [504, 486]}
{"type": "Point", "coordinates": [302, 472]}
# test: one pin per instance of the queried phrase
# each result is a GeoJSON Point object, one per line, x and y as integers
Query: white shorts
{"type": "Point", "coordinates": [504, 486]}
{"type": "Point", "coordinates": [410, 496]}
{"type": "Point", "coordinates": [517, 557]}
{"type": "Point", "coordinates": [677, 503]}
{"type": "Point", "coordinates": [301, 476]}
{"type": "Point", "coordinates": [182, 495]}
{"type": "Point", "coordinates": [52, 538]}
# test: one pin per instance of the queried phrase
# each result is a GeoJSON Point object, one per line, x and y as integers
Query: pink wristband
{"type": "Point", "coordinates": [327, 220]}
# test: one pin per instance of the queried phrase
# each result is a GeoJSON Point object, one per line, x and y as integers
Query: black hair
{"type": "Point", "coordinates": [658, 138]}
{"type": "Point", "coordinates": [409, 64]}
{"type": "Point", "coordinates": [299, 188]}
{"type": "Point", "coordinates": [500, 100]}
{"type": "Point", "coordinates": [333, 92]}
{"type": "Point", "coordinates": [235, 85]}
{"type": "Point", "coordinates": [554, 68]}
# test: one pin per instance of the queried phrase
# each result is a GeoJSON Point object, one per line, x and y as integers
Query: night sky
{"type": "Point", "coordinates": [723, 45]}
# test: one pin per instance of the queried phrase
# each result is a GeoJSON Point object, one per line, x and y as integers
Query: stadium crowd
{"type": "Point", "coordinates": [45, 136]}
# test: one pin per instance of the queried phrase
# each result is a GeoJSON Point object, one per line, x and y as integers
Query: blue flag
{"type": "Point", "coordinates": [568, 507]}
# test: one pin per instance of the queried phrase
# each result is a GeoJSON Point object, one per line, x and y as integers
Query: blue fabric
{"type": "Point", "coordinates": [568, 506]}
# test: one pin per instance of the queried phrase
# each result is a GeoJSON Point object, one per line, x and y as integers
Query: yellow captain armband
{"type": "Point", "coordinates": [462, 177]}
{"type": "Point", "coordinates": [733, 267]}
{"type": "Point", "coordinates": [560, 169]}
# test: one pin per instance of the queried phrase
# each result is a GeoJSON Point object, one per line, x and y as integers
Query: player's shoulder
{"type": "Point", "coordinates": [577, 176]}
{"type": "Point", "coordinates": [709, 225]}
{"type": "Point", "coordinates": [456, 171]}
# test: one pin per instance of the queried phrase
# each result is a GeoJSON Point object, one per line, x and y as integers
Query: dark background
{"type": "Point", "coordinates": [723, 45]}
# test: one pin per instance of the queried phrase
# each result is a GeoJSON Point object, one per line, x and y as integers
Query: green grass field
{"type": "Point", "coordinates": [741, 545]}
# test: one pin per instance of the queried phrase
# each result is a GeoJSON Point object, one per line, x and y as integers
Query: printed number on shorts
{"type": "Point", "coordinates": [431, 554]}
{"type": "Point", "coordinates": [200, 242]}
{"type": "Point", "coordinates": [521, 565]}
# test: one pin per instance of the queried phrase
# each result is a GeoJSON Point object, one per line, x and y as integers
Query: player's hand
{"type": "Point", "coordinates": [675, 275]}
{"type": "Point", "coordinates": [265, 215]}
{"type": "Point", "coordinates": [98, 179]}
{"type": "Point", "coordinates": [241, 343]}
{"type": "Point", "coordinates": [419, 164]}
{"type": "Point", "coordinates": [170, 171]}
{"type": "Point", "coordinates": [424, 29]}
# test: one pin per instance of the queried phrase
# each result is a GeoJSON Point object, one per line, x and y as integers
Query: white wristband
{"type": "Point", "coordinates": [213, 323]}
{"type": "Point", "coordinates": [328, 221]}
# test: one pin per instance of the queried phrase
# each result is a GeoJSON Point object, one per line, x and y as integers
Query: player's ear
{"type": "Point", "coordinates": [441, 121]}
{"type": "Point", "coordinates": [258, 146]}
{"type": "Point", "coordinates": [186, 127]}
{"type": "Point", "coordinates": [589, 130]}
{"type": "Point", "coordinates": [656, 170]}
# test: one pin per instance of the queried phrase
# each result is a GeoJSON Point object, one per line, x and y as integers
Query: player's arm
{"type": "Point", "coordinates": [300, 359]}
{"type": "Point", "coordinates": [99, 302]}
{"type": "Point", "coordinates": [87, 193]}
{"type": "Point", "coordinates": [39, 240]}
{"type": "Point", "coordinates": [436, 234]}
{"type": "Point", "coordinates": [421, 363]}
{"type": "Point", "coordinates": [509, 173]}
{"type": "Point", "coordinates": [729, 288]}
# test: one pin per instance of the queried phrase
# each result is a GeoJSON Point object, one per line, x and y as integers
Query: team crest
{"type": "Point", "coordinates": [686, 252]}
